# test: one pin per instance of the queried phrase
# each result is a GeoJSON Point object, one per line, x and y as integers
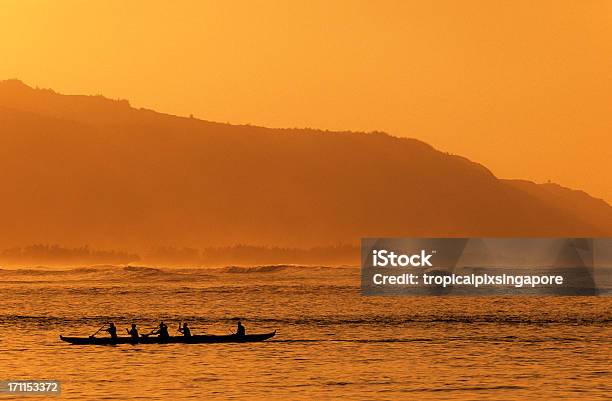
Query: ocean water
{"type": "Point", "coordinates": [331, 342]}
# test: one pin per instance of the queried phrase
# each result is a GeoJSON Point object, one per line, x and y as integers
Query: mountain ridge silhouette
{"type": "Point", "coordinates": [87, 169]}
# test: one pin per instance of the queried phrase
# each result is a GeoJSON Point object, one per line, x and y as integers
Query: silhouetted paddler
{"type": "Point", "coordinates": [133, 332]}
{"type": "Point", "coordinates": [162, 331]}
{"type": "Point", "coordinates": [185, 330]}
{"type": "Point", "coordinates": [240, 330]}
{"type": "Point", "coordinates": [112, 330]}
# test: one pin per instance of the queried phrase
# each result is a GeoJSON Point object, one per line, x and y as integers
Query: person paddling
{"type": "Point", "coordinates": [185, 330]}
{"type": "Point", "coordinates": [133, 332]}
{"type": "Point", "coordinates": [240, 330]}
{"type": "Point", "coordinates": [112, 330]}
{"type": "Point", "coordinates": [162, 331]}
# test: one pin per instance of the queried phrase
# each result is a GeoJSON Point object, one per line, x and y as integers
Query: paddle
{"type": "Point", "coordinates": [147, 334]}
{"type": "Point", "coordinates": [100, 329]}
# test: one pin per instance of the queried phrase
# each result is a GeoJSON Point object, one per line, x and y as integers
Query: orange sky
{"type": "Point", "coordinates": [523, 87]}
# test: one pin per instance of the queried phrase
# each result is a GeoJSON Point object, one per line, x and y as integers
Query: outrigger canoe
{"type": "Point", "coordinates": [199, 339]}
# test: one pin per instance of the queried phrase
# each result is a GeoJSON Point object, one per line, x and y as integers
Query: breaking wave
{"type": "Point", "coordinates": [147, 273]}
{"type": "Point", "coordinates": [255, 269]}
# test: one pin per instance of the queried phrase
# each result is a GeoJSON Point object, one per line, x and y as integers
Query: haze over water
{"type": "Point", "coordinates": [331, 342]}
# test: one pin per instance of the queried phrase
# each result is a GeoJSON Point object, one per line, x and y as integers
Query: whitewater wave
{"type": "Point", "coordinates": [255, 269]}
{"type": "Point", "coordinates": [142, 270]}
{"type": "Point", "coordinates": [148, 270]}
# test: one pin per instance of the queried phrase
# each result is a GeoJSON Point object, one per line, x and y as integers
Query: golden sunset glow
{"type": "Point", "coordinates": [304, 200]}
{"type": "Point", "coordinates": [524, 88]}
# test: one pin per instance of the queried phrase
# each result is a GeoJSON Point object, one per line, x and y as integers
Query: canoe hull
{"type": "Point", "coordinates": [201, 339]}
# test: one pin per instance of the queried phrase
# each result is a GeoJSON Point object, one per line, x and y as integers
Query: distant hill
{"type": "Point", "coordinates": [88, 170]}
